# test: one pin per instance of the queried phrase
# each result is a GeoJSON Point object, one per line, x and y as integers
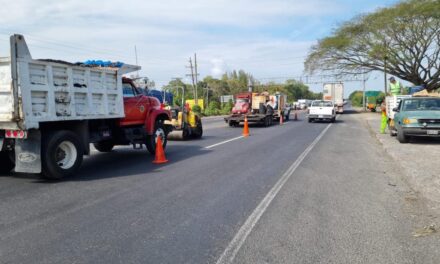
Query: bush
{"type": "Point", "coordinates": [227, 108]}
{"type": "Point", "coordinates": [214, 105]}
{"type": "Point", "coordinates": [197, 109]}
{"type": "Point", "coordinates": [211, 112]}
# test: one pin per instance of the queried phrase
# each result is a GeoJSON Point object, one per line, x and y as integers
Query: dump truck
{"type": "Point", "coordinates": [51, 110]}
{"type": "Point", "coordinates": [334, 92]}
{"type": "Point", "coordinates": [260, 108]}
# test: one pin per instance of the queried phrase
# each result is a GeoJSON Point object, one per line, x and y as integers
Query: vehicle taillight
{"type": "Point", "coordinates": [15, 134]}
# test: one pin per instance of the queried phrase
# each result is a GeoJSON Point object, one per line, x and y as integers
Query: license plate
{"type": "Point", "coordinates": [432, 132]}
{"type": "Point", "coordinates": [320, 116]}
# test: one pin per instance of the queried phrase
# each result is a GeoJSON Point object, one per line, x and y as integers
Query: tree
{"type": "Point", "coordinates": [402, 40]}
{"type": "Point", "coordinates": [356, 98]}
{"type": "Point", "coordinates": [175, 86]}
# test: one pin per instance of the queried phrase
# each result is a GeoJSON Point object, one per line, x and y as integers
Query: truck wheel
{"type": "Point", "coordinates": [6, 162]}
{"type": "Point", "coordinates": [61, 154]}
{"type": "Point", "coordinates": [159, 130]}
{"type": "Point", "coordinates": [104, 146]}
{"type": "Point", "coordinates": [234, 123]}
{"type": "Point", "coordinates": [401, 137]}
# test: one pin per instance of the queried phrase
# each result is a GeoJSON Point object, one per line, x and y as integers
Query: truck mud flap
{"type": "Point", "coordinates": [27, 153]}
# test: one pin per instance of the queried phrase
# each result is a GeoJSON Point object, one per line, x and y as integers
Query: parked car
{"type": "Point", "coordinates": [417, 116]}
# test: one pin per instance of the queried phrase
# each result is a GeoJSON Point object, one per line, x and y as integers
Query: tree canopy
{"type": "Point", "coordinates": [402, 40]}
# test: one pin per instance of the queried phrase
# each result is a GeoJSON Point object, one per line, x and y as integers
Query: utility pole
{"type": "Point", "coordinates": [364, 100]}
{"type": "Point", "coordinates": [385, 69]}
{"type": "Point", "coordinates": [136, 56]}
{"type": "Point", "coordinates": [196, 74]}
{"type": "Point", "coordinates": [249, 84]}
{"type": "Point", "coordinates": [192, 78]}
{"type": "Point", "coordinates": [207, 96]}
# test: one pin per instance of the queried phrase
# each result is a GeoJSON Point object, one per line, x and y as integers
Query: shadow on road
{"type": "Point", "coordinates": [121, 162]}
{"type": "Point", "coordinates": [351, 112]}
{"type": "Point", "coordinates": [424, 141]}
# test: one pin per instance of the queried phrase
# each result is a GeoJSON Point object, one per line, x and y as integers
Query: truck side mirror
{"type": "Point", "coordinates": [396, 109]}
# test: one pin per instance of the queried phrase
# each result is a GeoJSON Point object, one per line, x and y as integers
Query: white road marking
{"type": "Point", "coordinates": [238, 240]}
{"type": "Point", "coordinates": [223, 142]}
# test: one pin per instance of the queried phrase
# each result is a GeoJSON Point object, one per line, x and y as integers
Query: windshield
{"type": "Point", "coordinates": [421, 104]}
{"type": "Point", "coordinates": [322, 103]}
{"type": "Point", "coordinates": [241, 101]}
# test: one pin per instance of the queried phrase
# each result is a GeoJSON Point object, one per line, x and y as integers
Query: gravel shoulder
{"type": "Point", "coordinates": [418, 160]}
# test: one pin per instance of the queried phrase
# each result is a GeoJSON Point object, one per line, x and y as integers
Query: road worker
{"type": "Point", "coordinates": [396, 87]}
{"type": "Point", "coordinates": [384, 120]}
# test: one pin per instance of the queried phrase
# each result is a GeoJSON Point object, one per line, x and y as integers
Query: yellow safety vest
{"type": "Point", "coordinates": [395, 88]}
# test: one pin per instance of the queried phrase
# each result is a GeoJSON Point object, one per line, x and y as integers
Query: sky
{"type": "Point", "coordinates": [267, 38]}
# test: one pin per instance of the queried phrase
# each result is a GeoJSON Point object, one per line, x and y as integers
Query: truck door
{"type": "Point", "coordinates": [136, 106]}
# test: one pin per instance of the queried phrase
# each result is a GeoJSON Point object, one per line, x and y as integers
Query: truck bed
{"type": "Point", "coordinates": [34, 91]}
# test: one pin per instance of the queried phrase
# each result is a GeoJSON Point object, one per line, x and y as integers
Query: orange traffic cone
{"type": "Point", "coordinates": [296, 116]}
{"type": "Point", "coordinates": [160, 154]}
{"type": "Point", "coordinates": [246, 127]}
{"type": "Point", "coordinates": [281, 119]}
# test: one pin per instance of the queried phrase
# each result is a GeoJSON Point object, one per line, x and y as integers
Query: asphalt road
{"type": "Point", "coordinates": [336, 206]}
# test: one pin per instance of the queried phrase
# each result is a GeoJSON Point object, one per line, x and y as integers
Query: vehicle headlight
{"type": "Point", "coordinates": [408, 121]}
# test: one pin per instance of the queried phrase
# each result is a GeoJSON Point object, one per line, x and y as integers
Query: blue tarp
{"type": "Point", "coordinates": [102, 63]}
{"type": "Point", "coordinates": [415, 89]}
{"type": "Point", "coordinates": [159, 95]}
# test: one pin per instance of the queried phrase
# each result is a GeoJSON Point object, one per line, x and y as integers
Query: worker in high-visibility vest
{"type": "Point", "coordinates": [395, 87]}
{"type": "Point", "coordinates": [384, 120]}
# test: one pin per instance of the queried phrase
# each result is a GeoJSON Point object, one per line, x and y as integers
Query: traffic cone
{"type": "Point", "coordinates": [281, 119]}
{"type": "Point", "coordinates": [245, 127]}
{"type": "Point", "coordinates": [296, 116]}
{"type": "Point", "coordinates": [160, 154]}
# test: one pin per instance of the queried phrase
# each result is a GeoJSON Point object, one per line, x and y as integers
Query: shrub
{"type": "Point", "coordinates": [197, 109]}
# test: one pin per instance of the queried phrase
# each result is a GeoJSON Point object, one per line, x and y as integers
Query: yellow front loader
{"type": "Point", "coordinates": [186, 124]}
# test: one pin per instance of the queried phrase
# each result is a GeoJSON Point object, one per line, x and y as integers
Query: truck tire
{"type": "Point", "coordinates": [6, 162]}
{"type": "Point", "coordinates": [104, 146]}
{"type": "Point", "coordinates": [159, 130]}
{"type": "Point", "coordinates": [61, 154]}
{"type": "Point", "coordinates": [401, 137]}
{"type": "Point", "coordinates": [233, 123]}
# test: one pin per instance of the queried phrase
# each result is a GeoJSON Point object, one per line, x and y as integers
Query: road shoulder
{"type": "Point", "coordinates": [417, 160]}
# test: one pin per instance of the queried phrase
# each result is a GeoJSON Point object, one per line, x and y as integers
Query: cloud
{"type": "Point", "coordinates": [264, 37]}
{"type": "Point", "coordinates": [218, 12]}
{"type": "Point", "coordinates": [218, 67]}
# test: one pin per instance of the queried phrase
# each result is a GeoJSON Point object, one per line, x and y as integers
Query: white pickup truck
{"type": "Point", "coordinates": [321, 110]}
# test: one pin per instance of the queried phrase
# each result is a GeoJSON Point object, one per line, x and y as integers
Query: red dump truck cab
{"type": "Point", "coordinates": [140, 110]}
{"type": "Point", "coordinates": [243, 103]}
